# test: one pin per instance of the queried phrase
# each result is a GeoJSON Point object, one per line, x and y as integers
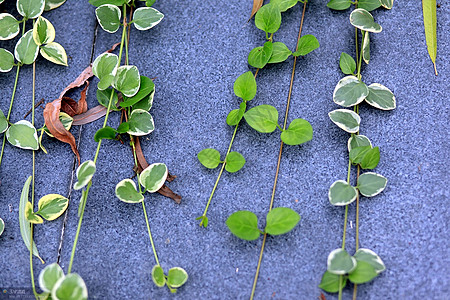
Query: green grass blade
{"type": "Point", "coordinates": [430, 21]}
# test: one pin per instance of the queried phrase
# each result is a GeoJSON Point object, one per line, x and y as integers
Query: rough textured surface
{"type": "Point", "coordinates": [196, 53]}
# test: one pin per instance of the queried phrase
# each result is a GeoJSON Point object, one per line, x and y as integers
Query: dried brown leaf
{"type": "Point", "coordinates": [256, 6]}
{"type": "Point", "coordinates": [91, 115]}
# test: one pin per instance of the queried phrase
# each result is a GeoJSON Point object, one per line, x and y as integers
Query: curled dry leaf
{"type": "Point", "coordinates": [91, 115]}
{"type": "Point", "coordinates": [256, 6]}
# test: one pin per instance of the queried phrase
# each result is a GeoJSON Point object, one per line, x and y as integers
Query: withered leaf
{"type": "Point", "coordinates": [91, 115]}
{"type": "Point", "coordinates": [256, 6]}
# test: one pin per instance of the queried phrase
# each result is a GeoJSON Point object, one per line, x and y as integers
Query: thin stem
{"type": "Point", "coordinates": [340, 287]}
{"type": "Point", "coordinates": [150, 233]}
{"type": "Point", "coordinates": [86, 193]}
{"type": "Point", "coordinates": [345, 227]}
{"type": "Point", "coordinates": [357, 213]}
{"type": "Point", "coordinates": [360, 54]}
{"type": "Point", "coordinates": [255, 281]}
{"type": "Point", "coordinates": [355, 291]}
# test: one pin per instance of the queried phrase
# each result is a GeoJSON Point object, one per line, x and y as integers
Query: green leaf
{"type": "Point", "coordinates": [369, 5]}
{"type": "Point", "coordinates": [363, 273]}
{"type": "Point", "coordinates": [84, 174]}
{"type": "Point", "coordinates": [6, 60]}
{"type": "Point", "coordinates": [262, 118]}
{"type": "Point", "coordinates": [357, 154]}
{"type": "Point", "coordinates": [234, 162]}
{"type": "Point", "coordinates": [370, 257]}
{"type": "Point", "coordinates": [362, 19]}
{"type": "Point", "coordinates": [358, 140]}
{"type": "Point", "coordinates": [145, 18]}
{"type": "Point", "coordinates": [366, 47]}
{"type": "Point", "coordinates": [52, 206]}
{"type": "Point", "coordinates": [280, 52]}
{"type": "Point", "coordinates": [176, 277]}
{"type": "Point", "coordinates": [70, 287]}
{"type": "Point", "coordinates": [65, 119]}
{"type": "Point", "coordinates": [345, 119]}
{"type": "Point", "coordinates": [126, 191]}
{"type": "Point", "coordinates": [49, 276]}
{"type": "Point", "coordinates": [244, 225]}
{"type": "Point", "coordinates": [98, 3]}
{"type": "Point", "coordinates": [371, 159]}
{"type": "Point", "coordinates": [204, 221]}
{"type": "Point", "coordinates": [3, 122]}
{"type": "Point", "coordinates": [105, 133]}
{"type": "Point", "coordinates": [339, 4]}
{"type": "Point", "coordinates": [149, 3]}
{"type": "Point", "coordinates": [268, 18]}
{"type": "Point", "coordinates": [108, 17]}
{"type": "Point", "coordinates": [307, 44]}
{"type": "Point", "coordinates": [387, 3]}
{"type": "Point", "coordinates": [146, 103]}
{"type": "Point", "coordinates": [123, 128]}
{"type": "Point", "coordinates": [43, 31]}
{"type": "Point", "coordinates": [31, 216]}
{"type": "Point", "coordinates": [153, 177]}
{"type": "Point", "coordinates": [299, 131]}
{"type": "Point", "coordinates": [52, 4]}
{"type": "Point", "coordinates": [127, 80]}
{"type": "Point", "coordinates": [235, 116]}
{"type": "Point", "coordinates": [347, 64]}
{"type": "Point", "coordinates": [2, 226]}
{"type": "Point", "coordinates": [339, 262]}
{"type": "Point", "coordinates": [284, 5]}
{"type": "Point", "coordinates": [25, 226]}
{"type": "Point", "coordinates": [158, 276]}
{"type": "Point", "coordinates": [260, 56]}
{"type": "Point", "coordinates": [103, 97]}
{"type": "Point", "coordinates": [30, 9]}
{"type": "Point", "coordinates": [141, 123]}
{"type": "Point", "coordinates": [281, 220]}
{"type": "Point", "coordinates": [330, 282]}
{"type": "Point", "coordinates": [350, 91]}
{"type": "Point", "coordinates": [9, 27]}
{"type": "Point", "coordinates": [371, 184]}
{"type": "Point", "coordinates": [22, 134]}
{"type": "Point", "coordinates": [105, 68]}
{"type": "Point", "coordinates": [381, 97]}
{"type": "Point", "coordinates": [146, 87]}
{"type": "Point", "coordinates": [245, 86]}
{"type": "Point", "coordinates": [341, 193]}
{"type": "Point", "coordinates": [26, 49]}
{"type": "Point", "coordinates": [210, 158]}
{"type": "Point", "coordinates": [55, 53]}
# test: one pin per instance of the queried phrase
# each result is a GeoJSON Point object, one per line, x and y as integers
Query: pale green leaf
{"type": "Point", "coordinates": [6, 60]}
{"type": "Point", "coordinates": [358, 140]}
{"type": "Point", "coordinates": [366, 47]}
{"type": "Point", "coordinates": [2, 226]}
{"type": "Point", "coordinates": [371, 184]}
{"type": "Point", "coordinates": [9, 27]}
{"type": "Point", "coordinates": [244, 225]}
{"type": "Point", "coordinates": [108, 17]}
{"type": "Point", "coordinates": [350, 91]}
{"type": "Point", "coordinates": [84, 174]}
{"type": "Point", "coordinates": [368, 256]}
{"type": "Point", "coordinates": [127, 80]}
{"type": "Point", "coordinates": [52, 4]}
{"type": "Point", "coordinates": [339, 262]}
{"type": "Point", "coordinates": [371, 159]}
{"type": "Point", "coordinates": [268, 18]}
{"type": "Point", "coordinates": [234, 162]}
{"type": "Point", "coordinates": [55, 53]}
{"type": "Point", "coordinates": [176, 277]}
{"type": "Point", "coordinates": [30, 9]}
{"type": "Point", "coordinates": [66, 121]}
{"type": "Point", "coordinates": [145, 18]}
{"type": "Point", "coordinates": [347, 64]}
{"type": "Point", "coordinates": [387, 3]}
{"type": "Point", "coordinates": [362, 19]}
{"type": "Point", "coordinates": [141, 123]}
{"type": "Point", "coordinates": [299, 131]}
{"type": "Point", "coordinates": [330, 282]}
{"type": "Point", "coordinates": [153, 177]}
{"type": "Point", "coordinates": [146, 87]}
{"type": "Point", "coordinates": [345, 119]}
{"type": "Point", "coordinates": [284, 5]}
{"type": "Point", "coordinates": [281, 220]}
{"type": "Point", "coordinates": [280, 52]}
{"type": "Point", "coordinates": [262, 118]}
{"type": "Point", "coordinates": [126, 191]}
{"type": "Point", "coordinates": [26, 49]}
{"type": "Point", "coordinates": [3, 122]}
{"type": "Point", "coordinates": [158, 276]}
{"type": "Point", "coordinates": [341, 193]}
{"type": "Point", "coordinates": [105, 68]}
{"type": "Point", "coordinates": [260, 56]}
{"type": "Point", "coordinates": [49, 276]}
{"type": "Point", "coordinates": [364, 272]}
{"type": "Point", "coordinates": [235, 116]}
{"type": "Point", "coordinates": [43, 31]}
{"type": "Point", "coordinates": [307, 44]}
{"type": "Point", "coordinates": [369, 5]}
{"type": "Point", "coordinates": [22, 134]}
{"type": "Point", "coordinates": [70, 287]}
{"type": "Point", "coordinates": [210, 158]}
{"type": "Point", "coordinates": [339, 4]}
{"type": "Point", "coordinates": [52, 206]}
{"type": "Point", "coordinates": [31, 216]}
{"type": "Point", "coordinates": [245, 86]}
{"type": "Point", "coordinates": [381, 97]}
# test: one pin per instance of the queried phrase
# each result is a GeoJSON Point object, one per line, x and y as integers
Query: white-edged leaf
{"type": "Point", "coordinates": [31, 216]}
{"type": "Point", "coordinates": [341, 193]}
{"type": "Point", "coordinates": [3, 122]}
{"type": "Point", "coordinates": [126, 191]}
{"type": "Point", "coordinates": [339, 262]}
{"type": "Point", "coordinates": [52, 206]}
{"type": "Point", "coordinates": [381, 97]}
{"type": "Point", "coordinates": [358, 140]}
{"type": "Point", "coordinates": [145, 18]}
{"type": "Point", "coordinates": [176, 277]}
{"type": "Point", "coordinates": [30, 9]}
{"type": "Point", "coordinates": [350, 91]}
{"type": "Point", "coordinates": [367, 255]}
{"type": "Point", "coordinates": [153, 177]}
{"type": "Point", "coordinates": [70, 287]}
{"type": "Point", "coordinates": [105, 68]}
{"type": "Point", "coordinates": [371, 184]}
{"type": "Point", "coordinates": [26, 49]}
{"type": "Point", "coordinates": [127, 80]}
{"type": "Point", "coordinates": [55, 53]}
{"type": "Point", "coordinates": [43, 31]}
{"type": "Point", "coordinates": [387, 3]}
{"type": "Point", "coordinates": [2, 226]}
{"type": "Point", "coordinates": [362, 19]}
{"type": "Point", "coordinates": [366, 48]}
{"type": "Point", "coordinates": [345, 119]}
{"type": "Point", "coordinates": [6, 60]}
{"type": "Point", "coordinates": [108, 17]}
{"type": "Point", "coordinates": [52, 4]}
{"type": "Point", "coordinates": [158, 276]}
{"type": "Point", "coordinates": [141, 122]}
{"type": "Point", "coordinates": [22, 134]}
{"type": "Point", "coordinates": [9, 26]}
{"type": "Point", "coordinates": [49, 276]}
{"type": "Point", "coordinates": [84, 174]}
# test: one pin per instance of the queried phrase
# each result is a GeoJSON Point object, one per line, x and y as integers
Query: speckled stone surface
{"type": "Point", "coordinates": [196, 53]}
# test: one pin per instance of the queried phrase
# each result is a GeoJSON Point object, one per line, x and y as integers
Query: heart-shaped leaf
{"type": "Point", "coordinates": [358, 140]}
{"type": "Point", "coordinates": [347, 64]}
{"type": "Point", "coordinates": [22, 134]}
{"type": "Point", "coordinates": [153, 177]}
{"type": "Point", "coordinates": [126, 191]}
{"type": "Point", "coordinates": [345, 119]}
{"type": "Point", "coordinates": [369, 5]}
{"type": "Point", "coordinates": [30, 9]}
{"type": "Point", "coordinates": [341, 193]}
{"type": "Point", "coordinates": [55, 53]}
{"type": "Point", "coordinates": [234, 162]}
{"type": "Point", "coordinates": [84, 174]}
{"type": "Point", "coordinates": [306, 44]}
{"type": "Point", "coordinates": [235, 116]}
{"type": "Point", "coordinates": [281, 220]}
{"type": "Point", "coordinates": [371, 159]}
{"type": "Point", "coordinates": [280, 52]}
{"type": "Point", "coordinates": [381, 97]}
{"type": "Point", "coordinates": [105, 68]}
{"type": "Point", "coordinates": [299, 131]}
{"type": "Point", "coordinates": [141, 123]}
{"type": "Point", "coordinates": [330, 282]}
{"type": "Point", "coordinates": [105, 133]}
{"type": "Point", "coordinates": [49, 276]}
{"type": "Point", "coordinates": [31, 216]}
{"type": "Point", "coordinates": [364, 272]}
{"type": "Point", "coordinates": [244, 225]}
{"type": "Point", "coordinates": [70, 287]}
{"type": "Point", "coordinates": [43, 31]}
{"type": "Point", "coordinates": [284, 5]}
{"type": "Point", "coordinates": [268, 18]}
{"type": "Point", "coordinates": [362, 19]}
{"type": "Point", "coordinates": [9, 27]}
{"type": "Point", "coordinates": [103, 97]}
{"type": "Point", "coordinates": [52, 206]}
{"type": "Point", "coordinates": [260, 56]}
{"type": "Point", "coordinates": [26, 49]}
{"type": "Point", "coordinates": [368, 256]}
{"type": "Point", "coordinates": [245, 86]}
{"type": "Point", "coordinates": [350, 91]}
{"type": "Point", "coordinates": [339, 262]}
{"type": "Point", "coordinates": [145, 18]}
{"type": "Point", "coordinates": [127, 80]}
{"type": "Point", "coordinates": [371, 184]}
{"type": "Point", "coordinates": [176, 277]}
{"type": "Point", "coordinates": [158, 276]}
{"type": "Point", "coordinates": [6, 60]}
{"type": "Point", "coordinates": [262, 118]}
{"type": "Point", "coordinates": [210, 158]}
{"type": "Point", "coordinates": [146, 87]}
{"type": "Point", "coordinates": [52, 4]}
{"type": "Point", "coordinates": [357, 154]}
{"type": "Point", "coordinates": [108, 17]}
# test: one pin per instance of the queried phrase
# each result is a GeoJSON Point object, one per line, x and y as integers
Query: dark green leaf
{"type": "Point", "coordinates": [9, 26]}
{"type": "Point", "coordinates": [146, 87]}
{"type": "Point", "coordinates": [371, 159]}
{"type": "Point", "coordinates": [369, 5]}
{"type": "Point", "coordinates": [123, 127]}
{"type": "Point", "coordinates": [339, 4]}
{"type": "Point", "coordinates": [149, 3]}
{"type": "Point", "coordinates": [105, 133]}
{"type": "Point", "coordinates": [357, 154]}
{"type": "Point", "coordinates": [108, 17]}
{"type": "Point", "coordinates": [103, 97]}
{"type": "Point", "coordinates": [112, 2]}
{"type": "Point", "coordinates": [358, 140]}
{"type": "Point", "coordinates": [347, 64]}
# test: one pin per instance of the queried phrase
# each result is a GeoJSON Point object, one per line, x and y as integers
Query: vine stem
{"type": "Point", "coordinates": [255, 280]}
{"type": "Point", "coordinates": [86, 192]}
{"type": "Point", "coordinates": [221, 170]}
